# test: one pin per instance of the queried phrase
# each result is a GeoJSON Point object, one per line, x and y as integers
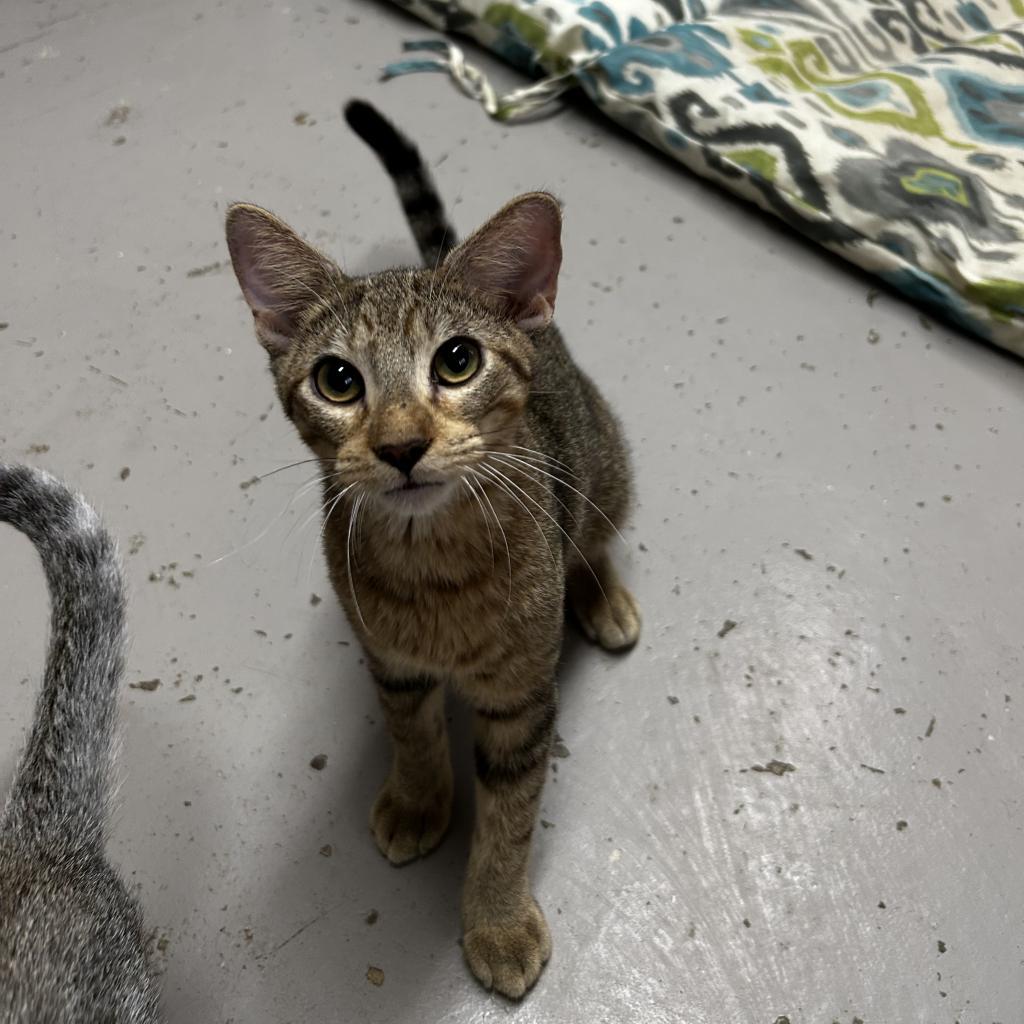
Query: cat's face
{"type": "Point", "coordinates": [402, 381]}
{"type": "Point", "coordinates": [402, 394]}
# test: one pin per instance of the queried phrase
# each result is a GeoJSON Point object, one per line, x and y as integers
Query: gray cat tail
{"type": "Point", "coordinates": [61, 784]}
{"type": "Point", "coordinates": [401, 159]}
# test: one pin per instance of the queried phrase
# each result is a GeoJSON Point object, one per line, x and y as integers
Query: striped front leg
{"type": "Point", "coordinates": [506, 939]}
{"type": "Point", "coordinates": [411, 813]}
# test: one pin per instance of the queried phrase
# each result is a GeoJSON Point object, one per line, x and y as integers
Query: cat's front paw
{"type": "Point", "coordinates": [610, 619]}
{"type": "Point", "coordinates": [509, 954]}
{"type": "Point", "coordinates": [406, 828]}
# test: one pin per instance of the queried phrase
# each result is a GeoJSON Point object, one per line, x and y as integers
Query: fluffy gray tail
{"type": "Point", "coordinates": [401, 159]}
{"type": "Point", "coordinates": [61, 785]}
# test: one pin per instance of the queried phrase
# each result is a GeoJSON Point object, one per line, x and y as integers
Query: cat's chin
{"type": "Point", "coordinates": [417, 500]}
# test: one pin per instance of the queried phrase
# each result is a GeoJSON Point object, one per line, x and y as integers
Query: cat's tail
{"type": "Point", "coordinates": [401, 159]}
{"type": "Point", "coordinates": [62, 783]}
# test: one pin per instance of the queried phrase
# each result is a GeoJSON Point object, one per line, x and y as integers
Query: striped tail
{"type": "Point", "coordinates": [62, 783]}
{"type": "Point", "coordinates": [401, 159]}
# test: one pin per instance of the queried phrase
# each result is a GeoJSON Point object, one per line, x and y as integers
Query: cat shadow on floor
{"type": "Point", "coordinates": [336, 908]}
{"type": "Point", "coordinates": [344, 912]}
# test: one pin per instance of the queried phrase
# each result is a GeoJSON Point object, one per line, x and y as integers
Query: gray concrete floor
{"type": "Point", "coordinates": [855, 508]}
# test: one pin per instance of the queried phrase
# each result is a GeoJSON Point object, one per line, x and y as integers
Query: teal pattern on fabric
{"type": "Point", "coordinates": [987, 109]}
{"type": "Point", "coordinates": [690, 50]}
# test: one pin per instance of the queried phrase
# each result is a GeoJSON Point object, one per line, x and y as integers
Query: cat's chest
{"type": "Point", "coordinates": [444, 606]}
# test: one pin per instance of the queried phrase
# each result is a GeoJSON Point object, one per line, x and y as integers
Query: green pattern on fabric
{"type": "Point", "coordinates": [931, 181]}
{"type": "Point", "coordinates": [800, 73]}
{"type": "Point", "coordinates": [757, 161]}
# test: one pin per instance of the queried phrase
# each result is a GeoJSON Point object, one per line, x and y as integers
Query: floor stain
{"type": "Point", "coordinates": [118, 115]}
{"type": "Point", "coordinates": [779, 768]}
{"type": "Point", "coordinates": [209, 268]}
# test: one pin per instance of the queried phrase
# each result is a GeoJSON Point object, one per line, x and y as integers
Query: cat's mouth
{"type": "Point", "coordinates": [418, 497]}
{"type": "Point", "coordinates": [414, 485]}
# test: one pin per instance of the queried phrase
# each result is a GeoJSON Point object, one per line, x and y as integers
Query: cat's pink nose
{"type": "Point", "coordinates": [403, 456]}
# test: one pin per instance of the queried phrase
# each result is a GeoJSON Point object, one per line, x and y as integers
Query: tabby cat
{"type": "Point", "coordinates": [472, 477]}
{"type": "Point", "coordinates": [72, 946]}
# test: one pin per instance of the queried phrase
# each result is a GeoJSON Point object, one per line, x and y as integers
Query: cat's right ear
{"type": "Point", "coordinates": [280, 275]}
{"type": "Point", "coordinates": [514, 259]}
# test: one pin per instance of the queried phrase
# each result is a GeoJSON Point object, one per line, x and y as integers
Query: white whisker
{"type": "Point", "coordinates": [531, 451]}
{"type": "Point", "coordinates": [291, 465]}
{"type": "Point", "coordinates": [537, 480]}
{"type": "Point", "coordinates": [437, 263]}
{"type": "Point", "coordinates": [531, 460]}
{"type": "Point", "coordinates": [318, 510]}
{"type": "Point", "coordinates": [544, 455]}
{"type": "Point", "coordinates": [310, 484]}
{"type": "Point", "coordinates": [497, 520]}
{"type": "Point", "coordinates": [501, 480]}
{"type": "Point", "coordinates": [348, 559]}
{"type": "Point", "coordinates": [296, 494]}
{"type": "Point", "coordinates": [575, 490]}
{"type": "Point", "coordinates": [483, 512]}
{"type": "Point", "coordinates": [333, 503]}
{"type": "Point", "coordinates": [557, 524]}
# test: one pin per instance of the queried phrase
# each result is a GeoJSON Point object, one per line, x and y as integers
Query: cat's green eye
{"type": "Point", "coordinates": [456, 361]}
{"type": "Point", "coordinates": [337, 381]}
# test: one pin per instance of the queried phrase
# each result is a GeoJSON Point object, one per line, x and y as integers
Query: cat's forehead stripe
{"type": "Point", "coordinates": [411, 320]}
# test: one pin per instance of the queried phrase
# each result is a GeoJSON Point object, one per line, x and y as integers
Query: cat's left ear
{"type": "Point", "coordinates": [281, 276]}
{"type": "Point", "coordinates": [514, 259]}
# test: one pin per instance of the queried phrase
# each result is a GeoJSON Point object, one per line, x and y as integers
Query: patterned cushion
{"type": "Point", "coordinates": [889, 131]}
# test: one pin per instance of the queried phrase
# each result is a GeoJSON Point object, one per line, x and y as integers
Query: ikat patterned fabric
{"type": "Point", "coordinates": [889, 131]}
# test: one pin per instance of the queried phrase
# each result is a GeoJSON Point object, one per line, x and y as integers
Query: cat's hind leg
{"type": "Point", "coordinates": [605, 610]}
